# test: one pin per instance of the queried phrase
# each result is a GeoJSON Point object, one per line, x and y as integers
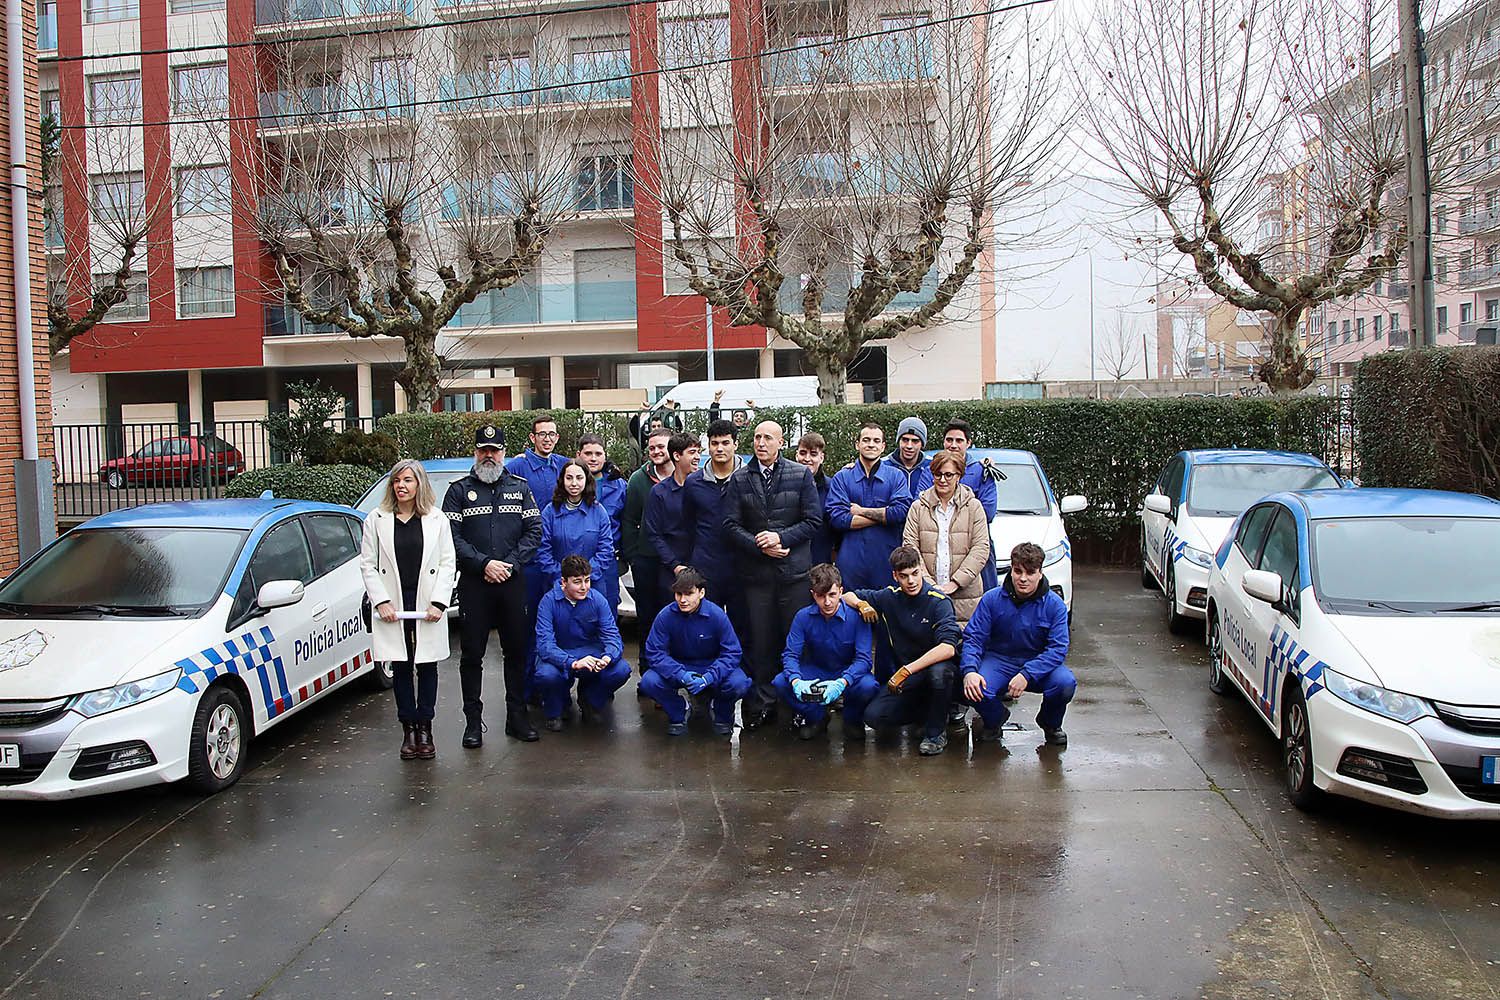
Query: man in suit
{"type": "Point", "coordinates": [771, 513]}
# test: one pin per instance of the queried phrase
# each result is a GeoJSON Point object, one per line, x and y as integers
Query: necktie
{"type": "Point", "coordinates": [765, 472]}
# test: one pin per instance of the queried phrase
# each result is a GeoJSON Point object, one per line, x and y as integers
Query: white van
{"type": "Point", "coordinates": [743, 393]}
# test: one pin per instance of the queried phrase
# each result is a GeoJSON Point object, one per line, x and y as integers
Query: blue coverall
{"type": "Point", "coordinates": [702, 643]}
{"type": "Point", "coordinates": [541, 475]}
{"type": "Point", "coordinates": [585, 530]}
{"type": "Point", "coordinates": [1006, 636]}
{"type": "Point", "coordinates": [668, 532]}
{"type": "Point", "coordinates": [565, 632]}
{"type": "Point", "coordinates": [983, 484]}
{"type": "Point", "coordinates": [826, 649]}
{"type": "Point", "coordinates": [864, 555]}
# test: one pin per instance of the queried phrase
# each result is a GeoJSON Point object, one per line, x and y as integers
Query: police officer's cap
{"type": "Point", "coordinates": [489, 436]}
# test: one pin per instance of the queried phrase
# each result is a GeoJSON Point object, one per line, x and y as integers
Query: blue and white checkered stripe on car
{"type": "Point", "coordinates": [1285, 656]}
{"type": "Point", "coordinates": [250, 653]}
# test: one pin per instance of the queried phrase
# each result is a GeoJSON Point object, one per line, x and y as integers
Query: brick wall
{"type": "Point", "coordinates": [10, 420]}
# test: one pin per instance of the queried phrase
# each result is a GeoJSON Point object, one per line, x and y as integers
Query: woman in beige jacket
{"type": "Point", "coordinates": [947, 525]}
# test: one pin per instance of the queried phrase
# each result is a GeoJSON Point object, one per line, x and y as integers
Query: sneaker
{"type": "Point", "coordinates": [855, 732]}
{"type": "Point", "coordinates": [933, 745]}
{"type": "Point", "coordinates": [554, 725]}
{"type": "Point", "coordinates": [957, 717]}
{"type": "Point", "coordinates": [989, 734]}
{"type": "Point", "coordinates": [810, 730]}
{"type": "Point", "coordinates": [677, 728]}
{"type": "Point", "coordinates": [1055, 737]}
{"type": "Point", "coordinates": [723, 728]}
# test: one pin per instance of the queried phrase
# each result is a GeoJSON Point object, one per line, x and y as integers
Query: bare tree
{"type": "Point", "coordinates": [875, 166]}
{"type": "Point", "coordinates": [1264, 138]}
{"type": "Point", "coordinates": [409, 173]}
{"type": "Point", "coordinates": [1119, 348]}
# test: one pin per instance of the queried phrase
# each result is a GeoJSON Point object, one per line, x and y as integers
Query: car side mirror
{"type": "Point", "coordinates": [1073, 503]}
{"type": "Point", "coordinates": [1263, 585]}
{"type": "Point", "coordinates": [1349, 484]}
{"type": "Point", "coordinates": [1158, 503]}
{"type": "Point", "coordinates": [279, 594]}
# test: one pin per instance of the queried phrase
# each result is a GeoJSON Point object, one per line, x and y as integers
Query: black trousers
{"type": "Point", "coordinates": [924, 698]}
{"type": "Point", "coordinates": [416, 700]}
{"type": "Point", "coordinates": [646, 588]}
{"type": "Point", "coordinates": [768, 610]}
{"type": "Point", "coordinates": [488, 607]}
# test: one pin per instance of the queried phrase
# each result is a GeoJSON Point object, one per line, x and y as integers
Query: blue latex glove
{"type": "Point", "coordinates": [802, 689]}
{"type": "Point", "coordinates": [695, 683]}
{"type": "Point", "coordinates": [833, 690]}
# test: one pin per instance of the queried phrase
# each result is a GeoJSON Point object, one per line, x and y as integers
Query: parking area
{"type": "Point", "coordinates": [1155, 857]}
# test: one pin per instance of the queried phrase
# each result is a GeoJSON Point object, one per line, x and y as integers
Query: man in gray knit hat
{"type": "Point", "coordinates": [911, 438]}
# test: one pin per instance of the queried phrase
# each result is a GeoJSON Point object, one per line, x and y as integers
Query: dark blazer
{"type": "Point", "coordinates": [791, 509]}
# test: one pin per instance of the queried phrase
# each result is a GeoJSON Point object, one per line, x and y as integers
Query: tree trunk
{"type": "Point", "coordinates": [420, 377]}
{"type": "Point", "coordinates": [1285, 369]}
{"type": "Point", "coordinates": [830, 380]}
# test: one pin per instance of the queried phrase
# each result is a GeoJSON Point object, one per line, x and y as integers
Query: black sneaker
{"type": "Point", "coordinates": [677, 728]}
{"type": "Point", "coordinates": [1055, 737]}
{"type": "Point", "coordinates": [809, 730]}
{"type": "Point", "coordinates": [723, 728]}
{"type": "Point", "coordinates": [519, 727]}
{"type": "Point", "coordinates": [989, 734]}
{"type": "Point", "coordinates": [931, 746]}
{"type": "Point", "coordinates": [758, 720]}
{"type": "Point", "coordinates": [855, 732]}
{"type": "Point", "coordinates": [957, 716]}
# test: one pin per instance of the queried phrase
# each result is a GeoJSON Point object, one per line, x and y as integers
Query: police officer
{"type": "Point", "coordinates": [867, 503]}
{"type": "Point", "coordinates": [497, 528]}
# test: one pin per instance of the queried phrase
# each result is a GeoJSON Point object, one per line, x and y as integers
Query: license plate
{"type": "Point", "coordinates": [10, 755]}
{"type": "Point", "coordinates": [1487, 769]}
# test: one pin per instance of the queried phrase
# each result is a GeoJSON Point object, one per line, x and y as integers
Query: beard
{"type": "Point", "coordinates": [488, 471]}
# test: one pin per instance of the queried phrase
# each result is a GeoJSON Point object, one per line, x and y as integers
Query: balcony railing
{"type": "Point", "coordinates": [836, 294]}
{"type": "Point", "coordinates": [298, 11]}
{"type": "Point", "coordinates": [286, 321]}
{"type": "Point", "coordinates": [871, 60]}
{"type": "Point", "coordinates": [1479, 222]}
{"type": "Point", "coordinates": [527, 303]}
{"type": "Point", "coordinates": [1489, 274]}
{"type": "Point", "coordinates": [594, 80]}
{"type": "Point", "coordinates": [314, 106]}
{"type": "Point", "coordinates": [46, 29]}
{"type": "Point", "coordinates": [330, 209]}
{"type": "Point", "coordinates": [1399, 289]}
{"type": "Point", "coordinates": [1468, 332]}
{"type": "Point", "coordinates": [817, 175]}
{"type": "Point", "coordinates": [1477, 167]}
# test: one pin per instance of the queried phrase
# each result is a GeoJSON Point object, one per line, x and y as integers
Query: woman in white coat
{"type": "Point", "coordinates": [408, 566]}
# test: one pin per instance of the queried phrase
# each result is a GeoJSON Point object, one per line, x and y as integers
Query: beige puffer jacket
{"type": "Point", "coordinates": [968, 542]}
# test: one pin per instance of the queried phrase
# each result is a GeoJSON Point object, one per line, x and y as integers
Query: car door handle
{"type": "Point", "coordinates": [320, 613]}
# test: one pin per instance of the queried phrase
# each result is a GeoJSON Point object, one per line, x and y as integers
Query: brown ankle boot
{"type": "Point", "coordinates": [409, 741]}
{"type": "Point", "coordinates": [426, 749]}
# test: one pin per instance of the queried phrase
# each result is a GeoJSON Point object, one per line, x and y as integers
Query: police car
{"type": "Point", "coordinates": [1026, 510]}
{"type": "Point", "coordinates": [1197, 496]}
{"type": "Point", "coordinates": [1364, 628]}
{"type": "Point", "coordinates": [149, 645]}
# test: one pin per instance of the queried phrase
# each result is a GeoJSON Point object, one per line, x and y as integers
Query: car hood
{"type": "Point", "coordinates": [43, 658]}
{"type": "Point", "coordinates": [1451, 658]}
{"type": "Point", "coordinates": [1009, 530]}
{"type": "Point", "coordinates": [1204, 533]}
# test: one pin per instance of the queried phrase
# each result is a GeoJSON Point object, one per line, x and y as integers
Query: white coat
{"type": "Point", "coordinates": [377, 563]}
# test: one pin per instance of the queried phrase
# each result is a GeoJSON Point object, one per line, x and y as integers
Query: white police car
{"type": "Point", "coordinates": [1364, 627]}
{"type": "Point", "coordinates": [1026, 510]}
{"type": "Point", "coordinates": [149, 645]}
{"type": "Point", "coordinates": [1197, 496]}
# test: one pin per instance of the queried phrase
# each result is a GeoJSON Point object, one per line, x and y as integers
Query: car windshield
{"type": "Point", "coordinates": [125, 571]}
{"type": "Point", "coordinates": [1021, 491]}
{"type": "Point", "coordinates": [1435, 563]}
{"type": "Point", "coordinates": [440, 483]}
{"type": "Point", "coordinates": [1226, 490]}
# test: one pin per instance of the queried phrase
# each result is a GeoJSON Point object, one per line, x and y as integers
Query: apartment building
{"type": "Point", "coordinates": [164, 104]}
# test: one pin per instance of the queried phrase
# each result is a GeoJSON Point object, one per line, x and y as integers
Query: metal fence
{"type": "Point", "coordinates": [1340, 439]}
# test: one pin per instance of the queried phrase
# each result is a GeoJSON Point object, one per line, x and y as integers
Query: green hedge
{"type": "Point", "coordinates": [1109, 450]}
{"type": "Point", "coordinates": [1428, 419]}
{"type": "Point", "coordinates": [326, 483]}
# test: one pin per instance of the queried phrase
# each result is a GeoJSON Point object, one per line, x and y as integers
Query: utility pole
{"type": "Point", "coordinates": [1423, 310]}
{"type": "Point", "coordinates": [1092, 353]}
{"type": "Point", "coordinates": [708, 316]}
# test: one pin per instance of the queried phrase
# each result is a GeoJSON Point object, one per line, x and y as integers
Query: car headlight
{"type": "Point", "coordinates": [1374, 698]}
{"type": "Point", "coordinates": [1197, 556]}
{"type": "Point", "coordinates": [109, 699]}
{"type": "Point", "coordinates": [1055, 553]}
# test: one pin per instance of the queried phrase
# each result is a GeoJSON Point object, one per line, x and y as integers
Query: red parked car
{"type": "Point", "coordinates": [198, 460]}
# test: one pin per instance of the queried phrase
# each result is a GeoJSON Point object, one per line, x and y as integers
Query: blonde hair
{"type": "Point", "coordinates": [425, 501]}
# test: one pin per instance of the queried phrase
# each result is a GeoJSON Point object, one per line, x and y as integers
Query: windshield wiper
{"type": "Point", "coordinates": [1018, 510]}
{"type": "Point", "coordinates": [1482, 606]}
{"type": "Point", "coordinates": [1387, 606]}
{"type": "Point", "coordinates": [123, 610]}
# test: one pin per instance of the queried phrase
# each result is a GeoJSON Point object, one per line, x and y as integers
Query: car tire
{"type": "Point", "coordinates": [219, 741]}
{"type": "Point", "coordinates": [1176, 624]}
{"type": "Point", "coordinates": [1217, 682]}
{"type": "Point", "coordinates": [114, 479]}
{"type": "Point", "coordinates": [1296, 750]}
{"type": "Point", "coordinates": [1148, 581]}
{"type": "Point", "coordinates": [383, 676]}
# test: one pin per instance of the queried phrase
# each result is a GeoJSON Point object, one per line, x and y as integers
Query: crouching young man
{"type": "Point", "coordinates": [924, 640]}
{"type": "Point", "coordinates": [693, 646]}
{"type": "Point", "coordinates": [1016, 641]}
{"type": "Point", "coordinates": [828, 655]}
{"type": "Point", "coordinates": [577, 639]}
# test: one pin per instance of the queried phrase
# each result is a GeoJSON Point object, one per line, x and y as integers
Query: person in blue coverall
{"type": "Point", "coordinates": [1016, 641]}
{"type": "Point", "coordinates": [539, 465]}
{"type": "Point", "coordinates": [693, 646]}
{"type": "Point", "coordinates": [608, 483]}
{"type": "Point", "coordinates": [868, 504]}
{"type": "Point", "coordinates": [668, 531]}
{"type": "Point", "coordinates": [812, 449]}
{"type": "Point", "coordinates": [827, 656]}
{"type": "Point", "coordinates": [957, 438]}
{"type": "Point", "coordinates": [911, 438]}
{"type": "Point", "coordinates": [703, 510]}
{"type": "Point", "coordinates": [577, 639]}
{"type": "Point", "coordinates": [575, 522]}
{"type": "Point", "coordinates": [925, 639]}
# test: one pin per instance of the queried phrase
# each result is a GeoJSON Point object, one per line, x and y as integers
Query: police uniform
{"type": "Point", "coordinates": [493, 521]}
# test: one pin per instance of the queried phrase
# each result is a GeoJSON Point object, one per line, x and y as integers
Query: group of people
{"type": "Point", "coordinates": [759, 581]}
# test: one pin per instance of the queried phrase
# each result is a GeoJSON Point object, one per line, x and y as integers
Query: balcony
{"type": "Point", "coordinates": [836, 294]}
{"type": "Point", "coordinates": [286, 321]}
{"type": "Point", "coordinates": [1484, 276]}
{"type": "Point", "coordinates": [528, 304]}
{"type": "Point", "coordinates": [295, 212]}
{"type": "Point", "coordinates": [1469, 333]}
{"type": "Point", "coordinates": [285, 111]}
{"type": "Point", "coordinates": [1479, 167]}
{"type": "Point", "coordinates": [46, 31]}
{"type": "Point", "coordinates": [1397, 338]}
{"type": "Point", "coordinates": [593, 81]}
{"type": "Point", "coordinates": [830, 175]}
{"type": "Point", "coordinates": [1479, 222]}
{"type": "Point", "coordinates": [284, 15]}
{"type": "Point", "coordinates": [866, 61]}
{"type": "Point", "coordinates": [1398, 289]}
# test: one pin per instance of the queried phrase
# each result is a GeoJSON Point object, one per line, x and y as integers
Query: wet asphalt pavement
{"type": "Point", "coordinates": [1154, 857]}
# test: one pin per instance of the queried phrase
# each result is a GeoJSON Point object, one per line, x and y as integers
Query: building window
{"type": "Point", "coordinates": [1439, 219]}
{"type": "Point", "coordinates": [1466, 312]}
{"type": "Point", "coordinates": [202, 190]}
{"type": "Point", "coordinates": [1346, 331]}
{"type": "Point", "coordinates": [1440, 268]}
{"type": "Point", "coordinates": [1442, 319]}
{"type": "Point", "coordinates": [200, 90]}
{"type": "Point", "coordinates": [1359, 330]}
{"type": "Point", "coordinates": [115, 100]}
{"type": "Point", "coordinates": [187, 6]}
{"type": "Point", "coordinates": [693, 41]}
{"type": "Point", "coordinates": [100, 11]}
{"type": "Point", "coordinates": [52, 105]}
{"type": "Point", "coordinates": [205, 291]}
{"type": "Point", "coordinates": [1492, 309]}
{"type": "Point", "coordinates": [118, 198]}
{"type": "Point", "coordinates": [1333, 332]}
{"type": "Point", "coordinates": [137, 304]}
{"type": "Point", "coordinates": [604, 180]}
{"type": "Point", "coordinates": [1379, 328]}
{"type": "Point", "coordinates": [1395, 322]}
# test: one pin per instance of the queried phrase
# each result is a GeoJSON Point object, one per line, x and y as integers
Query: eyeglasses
{"type": "Point", "coordinates": [546, 434]}
{"type": "Point", "coordinates": [945, 475]}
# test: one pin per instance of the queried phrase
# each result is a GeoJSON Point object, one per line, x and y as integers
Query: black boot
{"type": "Point", "coordinates": [408, 740]}
{"type": "Point", "coordinates": [473, 732]}
{"type": "Point", "coordinates": [517, 726]}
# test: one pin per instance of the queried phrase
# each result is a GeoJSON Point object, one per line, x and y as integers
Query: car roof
{"type": "Point", "coordinates": [1378, 502]}
{"type": "Point", "coordinates": [1249, 456]}
{"type": "Point", "coordinates": [1011, 455]}
{"type": "Point", "coordinates": [450, 464]}
{"type": "Point", "coordinates": [241, 514]}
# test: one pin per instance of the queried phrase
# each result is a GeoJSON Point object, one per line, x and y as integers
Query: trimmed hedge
{"type": "Point", "coordinates": [1109, 450]}
{"type": "Point", "coordinates": [1428, 419]}
{"type": "Point", "coordinates": [326, 483]}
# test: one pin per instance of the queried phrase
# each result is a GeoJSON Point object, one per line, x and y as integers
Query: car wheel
{"type": "Point", "coordinates": [216, 753]}
{"type": "Point", "coordinates": [1217, 682]}
{"type": "Point", "coordinates": [1296, 750]}
{"type": "Point", "coordinates": [114, 479]}
{"type": "Point", "coordinates": [383, 677]}
{"type": "Point", "coordinates": [200, 476]}
{"type": "Point", "coordinates": [1176, 624]}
